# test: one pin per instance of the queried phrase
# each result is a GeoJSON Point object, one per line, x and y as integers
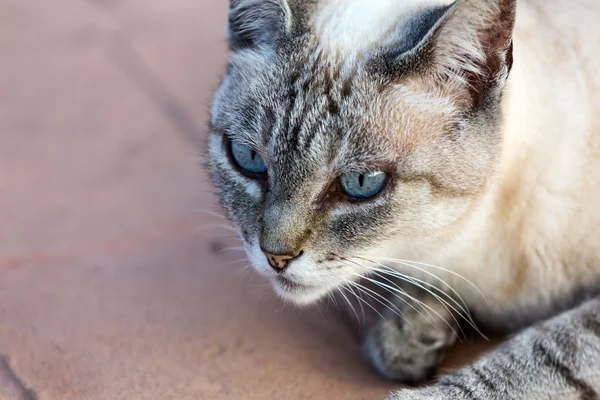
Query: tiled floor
{"type": "Point", "coordinates": [112, 283]}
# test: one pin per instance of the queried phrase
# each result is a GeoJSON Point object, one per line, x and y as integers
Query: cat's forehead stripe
{"type": "Point", "coordinates": [349, 27]}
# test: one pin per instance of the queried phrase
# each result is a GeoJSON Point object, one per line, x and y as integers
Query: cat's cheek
{"type": "Point", "coordinates": [258, 260]}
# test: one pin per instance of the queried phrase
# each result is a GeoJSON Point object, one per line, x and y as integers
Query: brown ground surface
{"type": "Point", "coordinates": [112, 286]}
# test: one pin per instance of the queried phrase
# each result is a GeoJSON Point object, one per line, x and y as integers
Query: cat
{"type": "Point", "coordinates": [447, 151]}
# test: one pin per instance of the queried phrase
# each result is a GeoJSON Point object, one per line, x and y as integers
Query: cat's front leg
{"type": "Point", "coordinates": [409, 344]}
{"type": "Point", "coordinates": [555, 360]}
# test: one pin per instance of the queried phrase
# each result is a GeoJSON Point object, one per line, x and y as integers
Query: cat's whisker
{"type": "Point", "coordinates": [408, 303]}
{"type": "Point", "coordinates": [235, 262]}
{"type": "Point", "coordinates": [423, 304]}
{"type": "Point", "coordinates": [375, 297]}
{"type": "Point", "coordinates": [429, 273]}
{"type": "Point", "coordinates": [364, 301]}
{"type": "Point", "coordinates": [211, 212]}
{"type": "Point", "coordinates": [392, 272]}
{"type": "Point", "coordinates": [318, 307]}
{"type": "Point", "coordinates": [362, 310]}
{"type": "Point", "coordinates": [244, 270]}
{"type": "Point", "coordinates": [412, 281]}
{"type": "Point", "coordinates": [334, 301]}
{"type": "Point", "coordinates": [350, 305]}
{"type": "Point", "coordinates": [236, 248]}
{"type": "Point", "coordinates": [467, 315]}
{"type": "Point", "coordinates": [411, 297]}
{"type": "Point", "coordinates": [413, 263]}
{"type": "Point", "coordinates": [227, 237]}
{"type": "Point", "coordinates": [203, 227]}
{"type": "Point", "coordinates": [464, 314]}
{"type": "Point", "coordinates": [395, 292]}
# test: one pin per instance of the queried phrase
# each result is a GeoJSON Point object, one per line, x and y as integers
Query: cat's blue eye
{"type": "Point", "coordinates": [247, 159]}
{"type": "Point", "coordinates": [363, 186]}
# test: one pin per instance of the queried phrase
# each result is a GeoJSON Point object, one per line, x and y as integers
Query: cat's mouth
{"type": "Point", "coordinates": [298, 292]}
{"type": "Point", "coordinates": [290, 284]}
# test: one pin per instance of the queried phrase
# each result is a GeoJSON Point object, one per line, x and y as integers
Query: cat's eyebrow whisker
{"type": "Point", "coordinates": [413, 263]}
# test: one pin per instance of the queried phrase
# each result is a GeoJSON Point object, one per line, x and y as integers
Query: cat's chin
{"type": "Point", "coordinates": [298, 294]}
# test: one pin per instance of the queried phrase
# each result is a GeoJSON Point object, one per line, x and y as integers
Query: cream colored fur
{"type": "Point", "coordinates": [535, 236]}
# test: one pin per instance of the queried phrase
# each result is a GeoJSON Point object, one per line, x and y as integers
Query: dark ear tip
{"type": "Point", "coordinates": [413, 40]}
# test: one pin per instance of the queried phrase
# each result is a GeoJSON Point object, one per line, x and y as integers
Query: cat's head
{"type": "Point", "coordinates": [346, 130]}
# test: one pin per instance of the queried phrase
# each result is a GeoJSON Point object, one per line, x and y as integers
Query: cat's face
{"type": "Point", "coordinates": [327, 162]}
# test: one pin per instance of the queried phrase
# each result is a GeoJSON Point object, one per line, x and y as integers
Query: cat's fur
{"type": "Point", "coordinates": [494, 175]}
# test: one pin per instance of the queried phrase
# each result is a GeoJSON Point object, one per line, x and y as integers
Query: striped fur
{"type": "Point", "coordinates": [557, 359]}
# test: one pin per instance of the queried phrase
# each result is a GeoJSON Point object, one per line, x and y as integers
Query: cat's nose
{"type": "Point", "coordinates": [280, 261]}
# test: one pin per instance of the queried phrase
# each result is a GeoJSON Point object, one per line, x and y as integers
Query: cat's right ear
{"type": "Point", "coordinates": [256, 23]}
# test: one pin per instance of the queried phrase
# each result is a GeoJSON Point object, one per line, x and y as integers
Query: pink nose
{"type": "Point", "coordinates": [279, 261]}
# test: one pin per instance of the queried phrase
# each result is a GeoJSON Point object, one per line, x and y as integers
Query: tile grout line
{"type": "Point", "coordinates": [121, 54]}
{"type": "Point", "coordinates": [139, 73]}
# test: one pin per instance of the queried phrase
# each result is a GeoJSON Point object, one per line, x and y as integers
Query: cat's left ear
{"type": "Point", "coordinates": [465, 44]}
{"type": "Point", "coordinates": [254, 23]}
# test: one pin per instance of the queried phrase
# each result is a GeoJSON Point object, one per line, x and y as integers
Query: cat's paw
{"type": "Point", "coordinates": [407, 352]}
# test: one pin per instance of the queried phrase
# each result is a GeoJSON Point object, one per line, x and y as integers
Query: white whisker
{"type": "Point", "coordinates": [210, 212]}
{"type": "Point", "coordinates": [362, 310]}
{"type": "Point", "coordinates": [234, 262]}
{"type": "Point", "coordinates": [350, 305]}
{"type": "Point", "coordinates": [423, 304]}
{"type": "Point", "coordinates": [395, 291]}
{"type": "Point", "coordinates": [440, 269]}
{"type": "Point", "coordinates": [204, 227]}
{"type": "Point", "coordinates": [374, 295]}
{"type": "Point", "coordinates": [390, 271]}
{"type": "Point", "coordinates": [362, 300]}
{"type": "Point", "coordinates": [236, 248]}
{"type": "Point", "coordinates": [467, 315]}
